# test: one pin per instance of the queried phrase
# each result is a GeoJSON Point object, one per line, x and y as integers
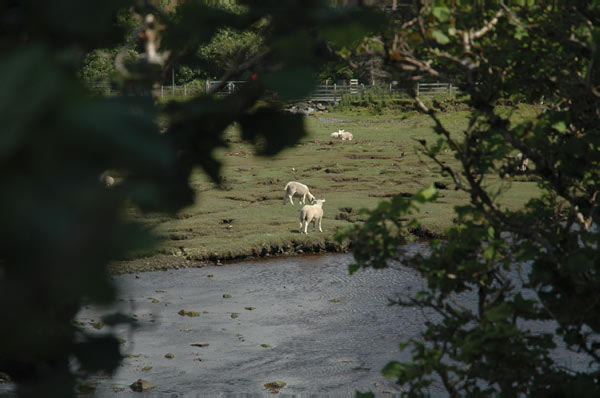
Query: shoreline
{"type": "Point", "coordinates": [164, 262]}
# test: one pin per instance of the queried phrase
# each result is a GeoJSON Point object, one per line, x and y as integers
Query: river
{"type": "Point", "coordinates": [300, 320]}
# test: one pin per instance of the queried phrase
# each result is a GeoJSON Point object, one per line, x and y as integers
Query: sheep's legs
{"type": "Point", "coordinates": [307, 221]}
{"type": "Point", "coordinates": [320, 230]}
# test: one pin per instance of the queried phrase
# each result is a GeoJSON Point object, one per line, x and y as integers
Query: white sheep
{"type": "Point", "coordinates": [312, 213]}
{"type": "Point", "coordinates": [295, 188]}
{"type": "Point", "coordinates": [107, 179]}
{"type": "Point", "coordinates": [344, 135]}
{"type": "Point", "coordinates": [522, 162]}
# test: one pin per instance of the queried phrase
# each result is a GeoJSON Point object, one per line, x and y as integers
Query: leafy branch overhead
{"type": "Point", "coordinates": [537, 263]}
{"type": "Point", "coordinates": [61, 225]}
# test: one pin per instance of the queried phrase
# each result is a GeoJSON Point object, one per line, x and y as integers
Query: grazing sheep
{"type": "Point", "coordinates": [107, 179]}
{"type": "Point", "coordinates": [344, 135]}
{"type": "Point", "coordinates": [515, 164]}
{"type": "Point", "coordinates": [295, 188]}
{"type": "Point", "coordinates": [312, 213]}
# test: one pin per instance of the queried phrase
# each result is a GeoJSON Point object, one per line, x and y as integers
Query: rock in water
{"type": "Point", "coordinates": [142, 385]}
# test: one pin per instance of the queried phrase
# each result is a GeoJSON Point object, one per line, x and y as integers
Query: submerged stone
{"type": "Point", "coordinates": [188, 313]}
{"type": "Point", "coordinates": [274, 386]}
{"type": "Point", "coordinates": [142, 385]}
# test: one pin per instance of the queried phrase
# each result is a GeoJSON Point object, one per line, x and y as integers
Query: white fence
{"type": "Point", "coordinates": [322, 93]}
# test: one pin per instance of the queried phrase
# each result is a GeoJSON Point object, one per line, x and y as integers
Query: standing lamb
{"type": "Point", "coordinates": [312, 213]}
{"type": "Point", "coordinates": [295, 188]}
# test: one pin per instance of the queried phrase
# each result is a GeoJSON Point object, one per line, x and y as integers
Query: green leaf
{"type": "Point", "coordinates": [442, 14]}
{"type": "Point", "coordinates": [561, 126]}
{"type": "Point", "coordinates": [520, 33]}
{"type": "Point", "coordinates": [426, 194]}
{"type": "Point", "coordinates": [489, 252]}
{"type": "Point", "coordinates": [440, 36]}
{"type": "Point", "coordinates": [393, 369]}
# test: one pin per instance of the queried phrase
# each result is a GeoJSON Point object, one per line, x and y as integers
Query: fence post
{"type": "Point", "coordinates": [162, 91]}
{"type": "Point", "coordinates": [334, 92]}
{"type": "Point", "coordinates": [362, 91]}
{"type": "Point", "coordinates": [417, 89]}
{"type": "Point", "coordinates": [185, 90]}
{"type": "Point", "coordinates": [206, 86]}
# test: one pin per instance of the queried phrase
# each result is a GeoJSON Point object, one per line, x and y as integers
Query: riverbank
{"type": "Point", "coordinates": [245, 218]}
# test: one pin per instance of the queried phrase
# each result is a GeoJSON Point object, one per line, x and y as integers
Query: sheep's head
{"type": "Point", "coordinates": [319, 201]}
{"type": "Point", "coordinates": [310, 197]}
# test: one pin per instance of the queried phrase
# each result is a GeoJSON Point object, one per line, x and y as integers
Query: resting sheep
{"type": "Point", "coordinates": [344, 135]}
{"type": "Point", "coordinates": [522, 162]}
{"type": "Point", "coordinates": [107, 179]}
{"type": "Point", "coordinates": [312, 213]}
{"type": "Point", "coordinates": [295, 188]}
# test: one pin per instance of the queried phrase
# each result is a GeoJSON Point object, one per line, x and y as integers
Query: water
{"type": "Point", "coordinates": [311, 325]}
{"type": "Point", "coordinates": [303, 321]}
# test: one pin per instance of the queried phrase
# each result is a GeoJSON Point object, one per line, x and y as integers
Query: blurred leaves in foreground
{"type": "Point", "coordinates": [60, 224]}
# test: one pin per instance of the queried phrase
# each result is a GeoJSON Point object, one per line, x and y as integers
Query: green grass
{"type": "Point", "coordinates": [247, 218]}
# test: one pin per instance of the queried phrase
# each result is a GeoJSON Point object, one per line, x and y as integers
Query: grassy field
{"type": "Point", "coordinates": [247, 218]}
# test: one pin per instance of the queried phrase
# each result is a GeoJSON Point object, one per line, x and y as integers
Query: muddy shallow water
{"type": "Point", "coordinates": [303, 321]}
